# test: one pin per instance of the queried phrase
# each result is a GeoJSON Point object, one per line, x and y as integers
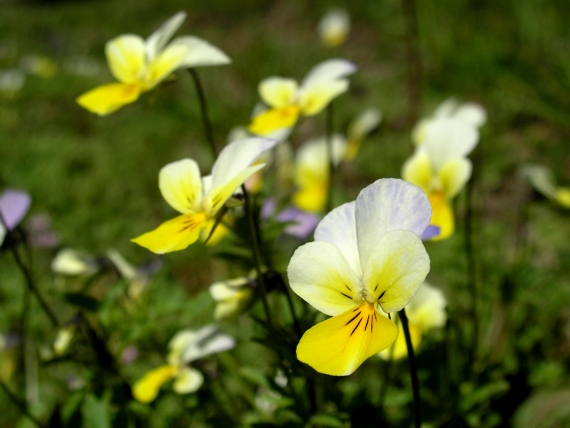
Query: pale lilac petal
{"type": "Point", "coordinates": [430, 232]}
{"type": "Point", "coordinates": [305, 223]}
{"type": "Point", "coordinates": [389, 204]}
{"type": "Point", "coordinates": [14, 205]}
{"type": "Point", "coordinates": [267, 209]}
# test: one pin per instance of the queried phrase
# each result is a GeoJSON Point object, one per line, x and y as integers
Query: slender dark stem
{"type": "Point", "coordinates": [413, 369]}
{"type": "Point", "coordinates": [204, 111]}
{"type": "Point", "coordinates": [330, 152]}
{"type": "Point", "coordinates": [30, 281]}
{"type": "Point", "coordinates": [256, 253]}
{"type": "Point", "coordinates": [20, 404]}
{"type": "Point", "coordinates": [413, 58]}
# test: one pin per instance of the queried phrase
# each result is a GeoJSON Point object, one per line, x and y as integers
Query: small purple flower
{"type": "Point", "coordinates": [305, 223]}
{"type": "Point", "coordinates": [14, 205]}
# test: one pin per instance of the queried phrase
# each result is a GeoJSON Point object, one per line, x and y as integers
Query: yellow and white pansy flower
{"type": "Point", "coordinates": [186, 346]}
{"type": "Point", "coordinates": [542, 179]}
{"type": "Point", "coordinates": [311, 174]}
{"type": "Point", "coordinates": [232, 296]}
{"type": "Point", "coordinates": [359, 128]}
{"type": "Point", "coordinates": [287, 100]}
{"type": "Point", "coordinates": [471, 113]}
{"type": "Point", "coordinates": [440, 167]}
{"type": "Point", "coordinates": [139, 65]}
{"type": "Point", "coordinates": [367, 259]}
{"type": "Point", "coordinates": [425, 311]}
{"type": "Point", "coordinates": [334, 27]}
{"type": "Point", "coordinates": [199, 199]}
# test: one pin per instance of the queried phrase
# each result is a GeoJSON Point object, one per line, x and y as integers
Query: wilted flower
{"type": "Point", "coordinates": [140, 65]}
{"type": "Point", "coordinates": [312, 172]}
{"type": "Point", "coordinates": [137, 278]}
{"type": "Point", "coordinates": [440, 167]}
{"type": "Point", "coordinates": [367, 256]}
{"type": "Point", "coordinates": [359, 128]}
{"type": "Point", "coordinates": [233, 296]}
{"type": "Point", "coordinates": [186, 346]}
{"type": "Point", "coordinates": [14, 205]}
{"type": "Point", "coordinates": [334, 27]}
{"type": "Point", "coordinates": [199, 199]}
{"type": "Point", "coordinates": [425, 311]}
{"type": "Point", "coordinates": [542, 179]}
{"type": "Point", "coordinates": [63, 339]}
{"type": "Point", "coordinates": [287, 100]}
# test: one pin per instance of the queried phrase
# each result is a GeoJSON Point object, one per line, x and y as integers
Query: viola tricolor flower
{"type": "Point", "coordinates": [425, 311]}
{"type": "Point", "coordinates": [140, 65]}
{"type": "Point", "coordinates": [186, 346]}
{"type": "Point", "coordinates": [14, 205]}
{"type": "Point", "coordinates": [334, 27]}
{"type": "Point", "coordinates": [441, 168]}
{"type": "Point", "coordinates": [233, 296]}
{"type": "Point", "coordinates": [199, 199]}
{"type": "Point", "coordinates": [367, 259]}
{"type": "Point", "coordinates": [287, 100]}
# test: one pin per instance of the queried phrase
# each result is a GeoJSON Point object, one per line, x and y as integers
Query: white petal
{"type": "Point", "coordinates": [397, 267]}
{"type": "Point", "coordinates": [320, 275]}
{"type": "Point", "coordinates": [449, 138]}
{"type": "Point", "coordinates": [222, 290]}
{"type": "Point", "coordinates": [181, 186]}
{"type": "Point", "coordinates": [127, 270]}
{"type": "Point", "coordinates": [541, 178]}
{"type": "Point", "coordinates": [453, 176]}
{"type": "Point", "coordinates": [314, 154]}
{"type": "Point", "coordinates": [278, 92]}
{"type": "Point", "coordinates": [446, 108]}
{"type": "Point", "coordinates": [208, 340]}
{"type": "Point", "coordinates": [315, 97]}
{"type": "Point", "coordinates": [364, 123]}
{"type": "Point", "coordinates": [157, 40]}
{"type": "Point", "coordinates": [71, 262]}
{"type": "Point", "coordinates": [334, 27]}
{"type": "Point", "coordinates": [388, 204]}
{"type": "Point", "coordinates": [200, 52]}
{"type": "Point", "coordinates": [339, 228]}
{"type": "Point", "coordinates": [238, 156]}
{"type": "Point", "coordinates": [327, 71]}
{"type": "Point", "coordinates": [427, 308]}
{"type": "Point", "coordinates": [471, 113]}
{"type": "Point", "coordinates": [187, 380]}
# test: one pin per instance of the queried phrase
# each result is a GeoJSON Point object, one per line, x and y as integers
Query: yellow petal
{"type": "Point", "coordinates": [417, 170]}
{"type": "Point", "coordinates": [453, 176]}
{"type": "Point", "coordinates": [146, 388]}
{"type": "Point", "coordinates": [399, 349]}
{"type": "Point", "coordinates": [278, 92]}
{"type": "Point", "coordinates": [339, 345]}
{"type": "Point", "coordinates": [318, 95]}
{"type": "Point", "coordinates": [442, 216]}
{"type": "Point", "coordinates": [312, 198]}
{"type": "Point", "coordinates": [166, 62]}
{"type": "Point", "coordinates": [188, 380]}
{"type": "Point", "coordinates": [219, 233]}
{"type": "Point", "coordinates": [106, 99]}
{"type": "Point", "coordinates": [181, 186]}
{"type": "Point", "coordinates": [273, 119]}
{"type": "Point", "coordinates": [126, 57]}
{"type": "Point", "coordinates": [562, 196]}
{"type": "Point", "coordinates": [352, 147]}
{"type": "Point", "coordinates": [175, 234]}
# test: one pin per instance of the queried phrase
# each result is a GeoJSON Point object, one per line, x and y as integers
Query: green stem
{"type": "Point", "coordinates": [204, 111]}
{"type": "Point", "coordinates": [413, 369]}
{"type": "Point", "coordinates": [330, 152]}
{"type": "Point", "coordinates": [256, 253]}
{"type": "Point", "coordinates": [20, 404]}
{"type": "Point", "coordinates": [30, 281]}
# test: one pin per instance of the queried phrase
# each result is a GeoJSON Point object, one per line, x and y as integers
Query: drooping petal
{"type": "Point", "coordinates": [338, 346]}
{"type": "Point", "coordinates": [156, 42]}
{"type": "Point", "coordinates": [146, 389]}
{"type": "Point", "coordinates": [449, 138]}
{"type": "Point", "coordinates": [236, 157]}
{"type": "Point", "coordinates": [453, 176]}
{"type": "Point", "coordinates": [417, 170]}
{"type": "Point", "coordinates": [388, 204]}
{"type": "Point", "coordinates": [541, 178]}
{"type": "Point", "coordinates": [127, 270]}
{"type": "Point", "coordinates": [14, 205]}
{"type": "Point", "coordinates": [169, 60]}
{"type": "Point", "coordinates": [339, 228]}
{"type": "Point", "coordinates": [200, 52]}
{"type": "Point", "coordinates": [320, 275]}
{"type": "Point", "coordinates": [207, 340]}
{"type": "Point", "coordinates": [442, 216]}
{"type": "Point", "coordinates": [396, 269]}
{"type": "Point", "coordinates": [188, 380]}
{"type": "Point", "coordinates": [271, 121]}
{"type": "Point", "coordinates": [106, 99]}
{"type": "Point", "coordinates": [71, 262]}
{"type": "Point", "coordinates": [315, 97]}
{"type": "Point", "coordinates": [175, 234]}
{"type": "Point", "coordinates": [181, 186]}
{"type": "Point", "coordinates": [126, 57]}
{"type": "Point", "coordinates": [278, 92]}
{"type": "Point", "coordinates": [328, 71]}
{"type": "Point", "coordinates": [364, 123]}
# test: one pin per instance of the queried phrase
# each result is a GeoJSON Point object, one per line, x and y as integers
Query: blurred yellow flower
{"type": "Point", "coordinates": [72, 262]}
{"type": "Point", "coordinates": [140, 65]}
{"type": "Point", "coordinates": [367, 256]}
{"type": "Point", "coordinates": [440, 167]}
{"type": "Point", "coordinates": [287, 100]}
{"type": "Point", "coordinates": [232, 297]}
{"type": "Point", "coordinates": [199, 199]}
{"type": "Point", "coordinates": [186, 346]}
{"type": "Point", "coordinates": [334, 27]}
{"type": "Point", "coordinates": [425, 311]}
{"type": "Point", "coordinates": [359, 128]}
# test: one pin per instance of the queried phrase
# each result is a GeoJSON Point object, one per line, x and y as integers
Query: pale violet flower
{"type": "Point", "coordinates": [14, 205]}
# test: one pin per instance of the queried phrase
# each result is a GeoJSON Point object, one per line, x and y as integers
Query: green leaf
{"type": "Point", "coordinates": [96, 411]}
